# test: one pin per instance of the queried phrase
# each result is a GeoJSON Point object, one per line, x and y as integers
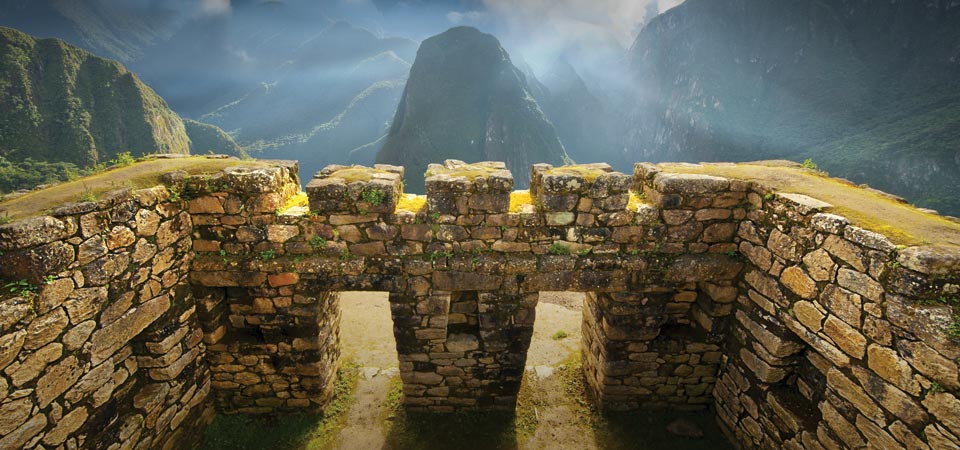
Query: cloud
{"type": "Point", "coordinates": [214, 7]}
{"type": "Point", "coordinates": [468, 17]}
{"type": "Point", "coordinates": [584, 21]}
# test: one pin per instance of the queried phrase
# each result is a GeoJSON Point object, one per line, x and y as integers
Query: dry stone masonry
{"type": "Point", "coordinates": [140, 316]}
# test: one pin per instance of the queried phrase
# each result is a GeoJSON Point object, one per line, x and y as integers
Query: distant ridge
{"type": "Point", "coordinates": [60, 103]}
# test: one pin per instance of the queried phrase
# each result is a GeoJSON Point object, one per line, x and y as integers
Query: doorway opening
{"type": "Point", "coordinates": [366, 330]}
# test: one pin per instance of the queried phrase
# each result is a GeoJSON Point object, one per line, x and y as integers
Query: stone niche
{"type": "Point", "coordinates": [156, 309]}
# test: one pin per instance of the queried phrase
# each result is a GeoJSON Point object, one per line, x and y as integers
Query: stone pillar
{"type": "Point", "coordinates": [470, 191]}
{"type": "Point", "coordinates": [562, 192]}
{"type": "Point", "coordinates": [356, 190]}
{"type": "Point", "coordinates": [647, 349]}
{"type": "Point", "coordinates": [702, 212]}
{"type": "Point", "coordinates": [462, 350]}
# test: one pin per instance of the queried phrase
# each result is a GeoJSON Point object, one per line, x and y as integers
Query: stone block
{"type": "Point", "coordinates": [705, 267]}
{"type": "Point", "coordinates": [802, 203]}
{"type": "Point", "coordinates": [795, 279]}
{"type": "Point", "coordinates": [855, 394]}
{"type": "Point", "coordinates": [57, 379]}
{"type": "Point", "coordinates": [931, 260]}
{"type": "Point", "coordinates": [846, 337]}
{"type": "Point", "coordinates": [784, 246]}
{"type": "Point", "coordinates": [860, 283]}
{"type": "Point", "coordinates": [829, 223]}
{"type": "Point", "coordinates": [32, 232]}
{"type": "Point", "coordinates": [355, 190]}
{"type": "Point", "coordinates": [111, 338]}
{"type": "Point", "coordinates": [689, 184]}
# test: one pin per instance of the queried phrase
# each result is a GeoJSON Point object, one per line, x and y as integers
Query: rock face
{"type": "Point", "coordinates": [465, 100]}
{"type": "Point", "coordinates": [586, 125]}
{"type": "Point", "coordinates": [742, 80]}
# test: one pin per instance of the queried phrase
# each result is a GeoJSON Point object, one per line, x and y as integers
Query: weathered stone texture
{"type": "Point", "coordinates": [800, 329]}
{"type": "Point", "coordinates": [72, 352]}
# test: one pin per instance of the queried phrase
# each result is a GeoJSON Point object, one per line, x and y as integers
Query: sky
{"type": "Point", "coordinates": [590, 34]}
{"type": "Point", "coordinates": [537, 27]}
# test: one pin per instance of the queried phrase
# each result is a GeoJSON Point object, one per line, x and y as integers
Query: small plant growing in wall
{"type": "Point", "coordinates": [268, 255]}
{"type": "Point", "coordinates": [954, 329]}
{"type": "Point", "coordinates": [21, 288]}
{"type": "Point", "coordinates": [345, 255]}
{"type": "Point", "coordinates": [374, 197]}
{"type": "Point", "coordinates": [559, 249]}
{"type": "Point", "coordinates": [317, 243]}
{"type": "Point", "coordinates": [584, 252]}
{"type": "Point", "coordinates": [438, 254]}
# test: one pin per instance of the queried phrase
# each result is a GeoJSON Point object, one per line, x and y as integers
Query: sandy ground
{"type": "Point", "coordinates": [562, 424]}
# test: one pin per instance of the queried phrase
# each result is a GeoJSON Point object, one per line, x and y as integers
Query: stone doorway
{"type": "Point", "coordinates": [366, 330]}
{"type": "Point", "coordinates": [369, 349]}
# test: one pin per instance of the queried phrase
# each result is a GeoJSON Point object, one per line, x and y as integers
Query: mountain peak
{"type": "Point", "coordinates": [466, 100]}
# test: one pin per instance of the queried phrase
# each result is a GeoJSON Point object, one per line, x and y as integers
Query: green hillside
{"type": "Point", "coordinates": [206, 138]}
{"type": "Point", "coordinates": [60, 103]}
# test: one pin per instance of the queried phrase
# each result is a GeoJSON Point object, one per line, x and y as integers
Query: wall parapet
{"type": "Point", "coordinates": [153, 309]}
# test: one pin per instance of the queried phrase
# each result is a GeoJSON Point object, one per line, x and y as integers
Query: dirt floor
{"type": "Point", "coordinates": [553, 413]}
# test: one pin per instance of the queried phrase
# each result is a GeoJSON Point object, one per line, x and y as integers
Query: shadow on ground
{"type": "Point", "coordinates": [466, 431]}
{"type": "Point", "coordinates": [648, 431]}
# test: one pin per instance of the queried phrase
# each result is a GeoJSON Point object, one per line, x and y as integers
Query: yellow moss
{"type": "Point", "coordinates": [635, 202]}
{"type": "Point", "coordinates": [589, 174]}
{"type": "Point", "coordinates": [518, 199]}
{"type": "Point", "coordinates": [298, 200]}
{"type": "Point", "coordinates": [901, 223]}
{"type": "Point", "coordinates": [411, 202]}
{"type": "Point", "coordinates": [356, 173]}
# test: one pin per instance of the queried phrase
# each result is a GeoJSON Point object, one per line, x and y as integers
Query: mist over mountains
{"type": "Point", "coordinates": [866, 89]}
{"type": "Point", "coordinates": [869, 90]}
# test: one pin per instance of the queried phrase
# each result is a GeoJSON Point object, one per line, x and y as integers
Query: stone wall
{"type": "Point", "coordinates": [100, 345]}
{"type": "Point", "coordinates": [799, 329]}
{"type": "Point", "coordinates": [840, 338]}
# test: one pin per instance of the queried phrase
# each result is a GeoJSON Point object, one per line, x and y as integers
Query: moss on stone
{"type": "Point", "coordinates": [519, 199]}
{"type": "Point", "coordinates": [296, 201]}
{"type": "Point", "coordinates": [635, 202]}
{"type": "Point", "coordinates": [354, 174]}
{"type": "Point", "coordinates": [411, 202]}
{"type": "Point", "coordinates": [469, 171]}
{"type": "Point", "coordinates": [901, 223]}
{"type": "Point", "coordinates": [589, 174]}
{"type": "Point", "coordinates": [139, 175]}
